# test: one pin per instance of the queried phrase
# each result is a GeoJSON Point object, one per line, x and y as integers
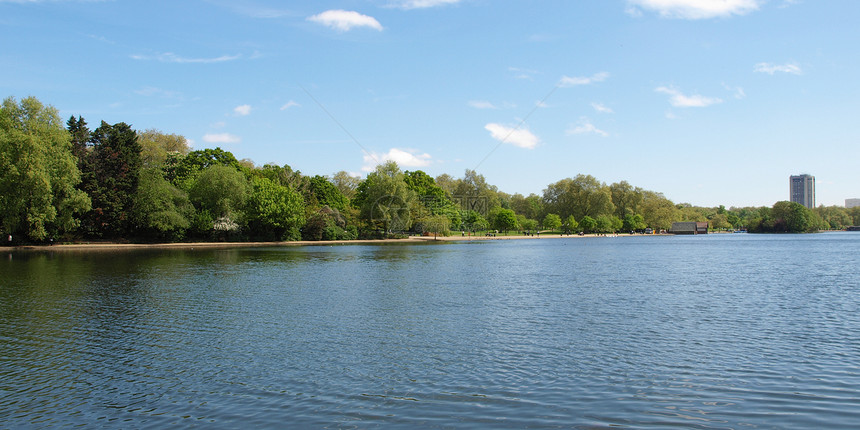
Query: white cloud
{"type": "Point", "coordinates": [221, 138]}
{"type": "Point", "coordinates": [678, 99]}
{"type": "Point", "coordinates": [515, 136]}
{"type": "Point", "coordinates": [770, 69]}
{"type": "Point", "coordinates": [523, 73]}
{"type": "Point", "coordinates": [739, 92]}
{"type": "Point", "coordinates": [242, 110]}
{"type": "Point", "coordinates": [403, 158]}
{"type": "Point", "coordinates": [422, 4]}
{"type": "Point", "coordinates": [169, 57]}
{"type": "Point", "coordinates": [600, 107]}
{"type": "Point", "coordinates": [695, 9]}
{"type": "Point", "coordinates": [584, 126]}
{"type": "Point", "coordinates": [567, 81]}
{"type": "Point", "coordinates": [290, 104]}
{"type": "Point", "coordinates": [345, 20]}
{"type": "Point", "coordinates": [481, 104]}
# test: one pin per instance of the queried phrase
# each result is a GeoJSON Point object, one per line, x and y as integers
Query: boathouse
{"type": "Point", "coordinates": [689, 228]}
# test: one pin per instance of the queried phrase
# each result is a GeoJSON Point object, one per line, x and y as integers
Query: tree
{"type": "Point", "coordinates": [835, 217]}
{"type": "Point", "coordinates": [80, 137]}
{"type": "Point", "coordinates": [588, 224]}
{"type": "Point", "coordinates": [384, 199]}
{"type": "Point", "coordinates": [433, 199]}
{"type": "Point", "coordinates": [633, 222]}
{"type": "Point", "coordinates": [580, 196]}
{"type": "Point", "coordinates": [552, 222]}
{"type": "Point", "coordinates": [447, 183]}
{"type": "Point", "coordinates": [570, 224]}
{"type": "Point", "coordinates": [658, 211]}
{"type": "Point", "coordinates": [155, 147]}
{"type": "Point", "coordinates": [328, 224]}
{"type": "Point", "coordinates": [327, 194]}
{"type": "Point", "coordinates": [505, 220]}
{"type": "Point", "coordinates": [527, 224]}
{"type": "Point", "coordinates": [626, 198]}
{"type": "Point", "coordinates": [274, 211]}
{"type": "Point", "coordinates": [222, 191]}
{"type": "Point", "coordinates": [473, 221]}
{"type": "Point", "coordinates": [719, 222]}
{"type": "Point", "coordinates": [604, 224]}
{"type": "Point", "coordinates": [474, 193]}
{"type": "Point", "coordinates": [346, 183]}
{"type": "Point", "coordinates": [531, 207]}
{"type": "Point", "coordinates": [794, 217]}
{"type": "Point", "coordinates": [38, 172]}
{"type": "Point", "coordinates": [110, 177]}
{"type": "Point", "coordinates": [160, 209]}
{"type": "Point", "coordinates": [195, 162]}
{"type": "Point", "coordinates": [438, 224]}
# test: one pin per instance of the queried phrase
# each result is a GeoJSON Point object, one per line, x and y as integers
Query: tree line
{"type": "Point", "coordinates": [65, 181]}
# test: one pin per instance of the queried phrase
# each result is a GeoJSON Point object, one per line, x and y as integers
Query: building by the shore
{"type": "Point", "coordinates": [801, 189]}
{"type": "Point", "coordinates": [690, 227]}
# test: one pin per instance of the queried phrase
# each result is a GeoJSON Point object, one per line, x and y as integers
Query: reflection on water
{"type": "Point", "coordinates": [721, 331]}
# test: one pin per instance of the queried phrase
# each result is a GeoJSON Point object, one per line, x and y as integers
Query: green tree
{"type": "Point", "coordinates": [551, 222]}
{"type": "Point", "coordinates": [570, 224]}
{"type": "Point", "coordinates": [633, 222]}
{"type": "Point", "coordinates": [604, 224]}
{"type": "Point", "coordinates": [346, 183]}
{"type": "Point", "coordinates": [221, 191]}
{"type": "Point", "coordinates": [437, 224]}
{"type": "Point", "coordinates": [191, 165]}
{"type": "Point", "coordinates": [526, 223]}
{"type": "Point", "coordinates": [160, 209]}
{"type": "Point", "coordinates": [385, 201]}
{"type": "Point", "coordinates": [327, 194]}
{"type": "Point", "coordinates": [531, 207]}
{"type": "Point", "coordinates": [795, 217]}
{"type": "Point", "coordinates": [274, 211]}
{"type": "Point", "coordinates": [38, 172]}
{"type": "Point", "coordinates": [835, 217]}
{"type": "Point", "coordinates": [155, 147]}
{"type": "Point", "coordinates": [328, 224]}
{"type": "Point", "coordinates": [505, 220]}
{"type": "Point", "coordinates": [658, 211]}
{"type": "Point", "coordinates": [719, 222]}
{"type": "Point", "coordinates": [580, 196]}
{"type": "Point", "coordinates": [473, 221]}
{"type": "Point", "coordinates": [110, 177]}
{"type": "Point", "coordinates": [588, 224]}
{"type": "Point", "coordinates": [80, 137]}
{"type": "Point", "coordinates": [626, 198]}
{"type": "Point", "coordinates": [474, 193]}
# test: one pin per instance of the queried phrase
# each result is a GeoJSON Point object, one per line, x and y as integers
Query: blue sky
{"type": "Point", "coordinates": [708, 101]}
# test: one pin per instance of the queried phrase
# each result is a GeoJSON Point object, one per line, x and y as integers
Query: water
{"type": "Point", "coordinates": [719, 331]}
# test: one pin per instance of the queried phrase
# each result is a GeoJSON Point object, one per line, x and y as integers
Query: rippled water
{"type": "Point", "coordinates": [719, 331]}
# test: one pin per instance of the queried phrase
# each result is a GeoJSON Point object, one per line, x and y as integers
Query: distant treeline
{"type": "Point", "coordinates": [64, 181]}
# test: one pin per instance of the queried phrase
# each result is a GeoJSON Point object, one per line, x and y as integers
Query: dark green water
{"type": "Point", "coordinates": [720, 331]}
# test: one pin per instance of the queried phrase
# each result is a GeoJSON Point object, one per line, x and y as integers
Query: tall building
{"type": "Point", "coordinates": [852, 203]}
{"type": "Point", "coordinates": [802, 190]}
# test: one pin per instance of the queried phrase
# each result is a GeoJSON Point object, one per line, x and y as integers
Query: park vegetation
{"type": "Point", "coordinates": [65, 181]}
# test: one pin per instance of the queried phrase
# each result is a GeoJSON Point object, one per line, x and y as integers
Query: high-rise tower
{"type": "Point", "coordinates": [802, 190]}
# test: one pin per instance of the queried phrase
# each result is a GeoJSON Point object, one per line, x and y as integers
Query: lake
{"type": "Point", "coordinates": [716, 331]}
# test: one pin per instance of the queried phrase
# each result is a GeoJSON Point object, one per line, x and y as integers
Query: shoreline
{"type": "Point", "coordinates": [224, 245]}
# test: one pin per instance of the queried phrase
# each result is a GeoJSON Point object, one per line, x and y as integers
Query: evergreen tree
{"type": "Point", "coordinates": [111, 174]}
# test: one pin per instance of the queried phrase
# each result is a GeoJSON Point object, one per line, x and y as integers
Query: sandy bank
{"type": "Point", "coordinates": [217, 245]}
